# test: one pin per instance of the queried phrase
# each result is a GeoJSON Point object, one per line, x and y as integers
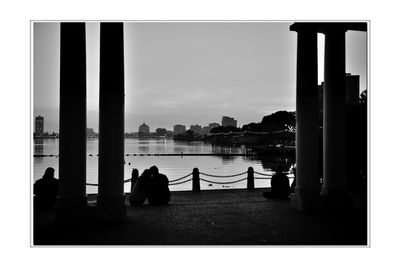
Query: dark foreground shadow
{"type": "Point", "coordinates": [226, 217]}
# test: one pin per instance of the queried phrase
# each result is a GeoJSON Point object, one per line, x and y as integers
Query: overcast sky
{"type": "Point", "coordinates": [187, 72]}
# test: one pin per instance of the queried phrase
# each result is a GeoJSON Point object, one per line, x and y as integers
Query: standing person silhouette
{"type": "Point", "coordinates": [46, 191]}
{"type": "Point", "coordinates": [158, 191]}
{"type": "Point", "coordinates": [279, 185]}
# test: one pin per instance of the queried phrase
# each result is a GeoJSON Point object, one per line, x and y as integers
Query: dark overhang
{"type": "Point", "coordinates": [322, 27]}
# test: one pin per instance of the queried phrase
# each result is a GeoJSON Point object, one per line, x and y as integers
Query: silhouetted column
{"type": "Point", "coordinates": [307, 192]}
{"type": "Point", "coordinates": [72, 141]}
{"type": "Point", "coordinates": [334, 139]}
{"type": "Point", "coordinates": [111, 123]}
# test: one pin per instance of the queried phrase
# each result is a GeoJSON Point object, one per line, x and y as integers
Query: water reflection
{"type": "Point", "coordinates": [38, 149]}
{"type": "Point", "coordinates": [179, 149]}
{"type": "Point", "coordinates": [194, 149]}
{"type": "Point", "coordinates": [216, 149]}
{"type": "Point", "coordinates": [226, 159]}
{"type": "Point", "coordinates": [161, 146]}
{"type": "Point", "coordinates": [272, 162]}
{"type": "Point", "coordinates": [172, 166]}
{"type": "Point", "coordinates": [144, 148]}
{"type": "Point", "coordinates": [38, 146]}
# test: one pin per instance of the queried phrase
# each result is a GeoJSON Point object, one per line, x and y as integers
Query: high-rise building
{"type": "Point", "coordinates": [195, 128]}
{"type": "Point", "coordinates": [179, 129]}
{"type": "Point", "coordinates": [228, 121]}
{"type": "Point", "coordinates": [144, 128]}
{"type": "Point", "coordinates": [39, 125]}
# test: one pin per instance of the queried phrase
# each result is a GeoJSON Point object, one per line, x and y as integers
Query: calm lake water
{"type": "Point", "coordinates": [173, 166]}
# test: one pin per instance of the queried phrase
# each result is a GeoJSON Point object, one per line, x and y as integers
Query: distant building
{"type": "Point", "coordinates": [213, 125]}
{"type": "Point", "coordinates": [90, 132]}
{"type": "Point", "coordinates": [179, 129]}
{"type": "Point", "coordinates": [195, 129]}
{"type": "Point", "coordinates": [39, 126]}
{"type": "Point", "coordinates": [144, 128]}
{"type": "Point", "coordinates": [228, 121]}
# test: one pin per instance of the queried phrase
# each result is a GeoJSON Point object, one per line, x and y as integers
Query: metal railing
{"type": "Point", "coordinates": [194, 176]}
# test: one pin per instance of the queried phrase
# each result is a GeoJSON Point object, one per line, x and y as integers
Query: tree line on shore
{"type": "Point", "coordinates": [278, 121]}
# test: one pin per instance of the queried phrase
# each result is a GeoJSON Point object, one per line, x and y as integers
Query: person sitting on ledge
{"type": "Point", "coordinates": [279, 185]}
{"type": "Point", "coordinates": [134, 178]}
{"type": "Point", "coordinates": [139, 188]}
{"type": "Point", "coordinates": [158, 191]}
{"type": "Point", "coordinates": [293, 185]}
{"type": "Point", "coordinates": [45, 191]}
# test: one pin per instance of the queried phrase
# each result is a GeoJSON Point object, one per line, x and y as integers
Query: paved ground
{"type": "Point", "coordinates": [224, 217]}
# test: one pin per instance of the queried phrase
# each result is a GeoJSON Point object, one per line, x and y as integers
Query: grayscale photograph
{"type": "Point", "coordinates": [199, 133]}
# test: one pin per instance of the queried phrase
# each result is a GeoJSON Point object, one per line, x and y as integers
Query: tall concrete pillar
{"type": "Point", "coordinates": [111, 123]}
{"type": "Point", "coordinates": [72, 142]}
{"type": "Point", "coordinates": [334, 132]}
{"type": "Point", "coordinates": [307, 192]}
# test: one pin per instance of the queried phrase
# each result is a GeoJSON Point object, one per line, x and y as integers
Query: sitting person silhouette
{"type": "Point", "coordinates": [158, 191]}
{"type": "Point", "coordinates": [134, 178]}
{"type": "Point", "coordinates": [279, 185]}
{"type": "Point", "coordinates": [45, 191]}
{"type": "Point", "coordinates": [139, 188]}
{"type": "Point", "coordinates": [293, 185]}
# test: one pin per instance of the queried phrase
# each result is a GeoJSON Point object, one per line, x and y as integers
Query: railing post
{"type": "Point", "coordinates": [250, 178]}
{"type": "Point", "coordinates": [196, 180]}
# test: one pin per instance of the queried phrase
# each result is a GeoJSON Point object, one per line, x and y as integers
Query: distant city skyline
{"type": "Point", "coordinates": [189, 73]}
{"type": "Point", "coordinates": [40, 122]}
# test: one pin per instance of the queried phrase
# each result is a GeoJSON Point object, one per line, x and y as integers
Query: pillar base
{"type": "Point", "coordinates": [90, 215]}
{"type": "Point", "coordinates": [110, 209]}
{"type": "Point", "coordinates": [65, 202]}
{"type": "Point", "coordinates": [336, 199]}
{"type": "Point", "coordinates": [76, 211]}
{"type": "Point", "coordinates": [70, 215]}
{"type": "Point", "coordinates": [70, 210]}
{"type": "Point", "coordinates": [112, 201]}
{"type": "Point", "coordinates": [306, 200]}
{"type": "Point", "coordinates": [108, 214]}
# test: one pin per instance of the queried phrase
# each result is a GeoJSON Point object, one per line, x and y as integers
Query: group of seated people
{"type": "Point", "coordinates": [151, 184]}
